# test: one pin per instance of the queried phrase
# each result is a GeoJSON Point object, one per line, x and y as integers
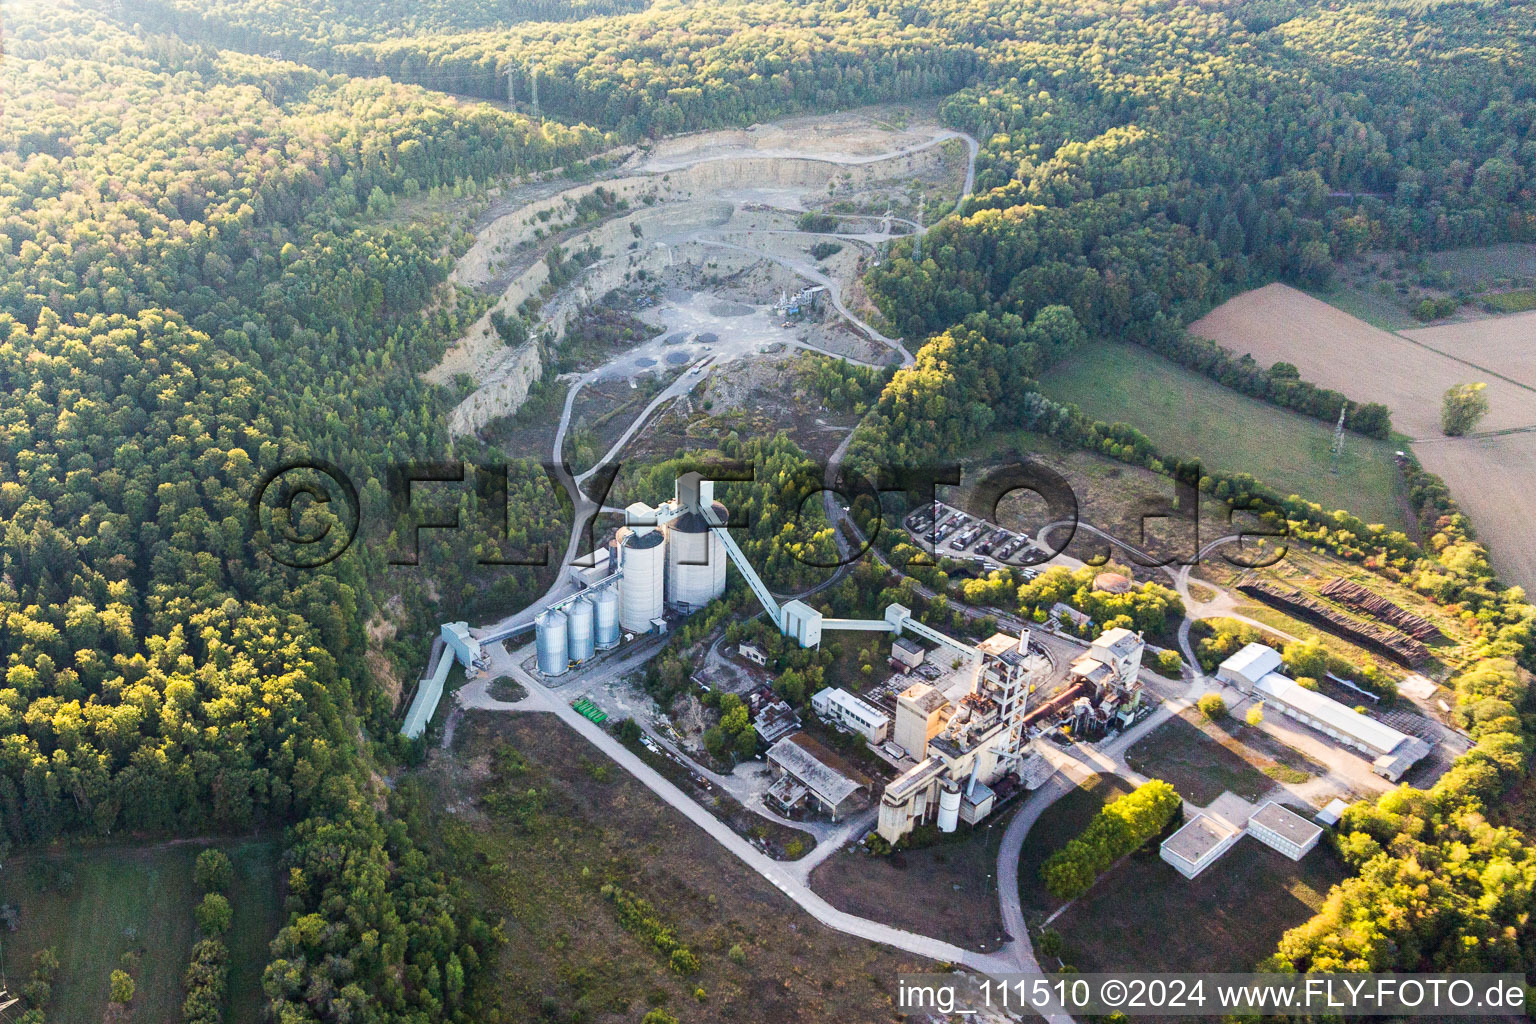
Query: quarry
{"type": "Point", "coordinates": [712, 236]}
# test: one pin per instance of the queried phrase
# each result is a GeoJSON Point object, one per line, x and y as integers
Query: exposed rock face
{"type": "Point", "coordinates": [675, 189]}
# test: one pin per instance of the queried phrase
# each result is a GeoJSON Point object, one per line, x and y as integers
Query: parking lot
{"type": "Point", "coordinates": [950, 533]}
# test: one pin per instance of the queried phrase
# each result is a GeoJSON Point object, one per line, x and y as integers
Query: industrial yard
{"type": "Point", "coordinates": [914, 796]}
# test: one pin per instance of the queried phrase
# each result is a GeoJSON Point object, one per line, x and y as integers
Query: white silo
{"type": "Point", "coordinates": [695, 559]}
{"type": "Point", "coordinates": [642, 557]}
{"type": "Point", "coordinates": [579, 626]}
{"type": "Point", "coordinates": [949, 806]}
{"type": "Point", "coordinates": [550, 631]}
{"type": "Point", "coordinates": [606, 605]}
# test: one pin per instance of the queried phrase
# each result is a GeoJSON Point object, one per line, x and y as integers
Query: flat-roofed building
{"type": "Point", "coordinates": [1198, 845]}
{"type": "Point", "coordinates": [847, 712]}
{"type": "Point", "coordinates": [836, 789]}
{"type": "Point", "coordinates": [1284, 830]}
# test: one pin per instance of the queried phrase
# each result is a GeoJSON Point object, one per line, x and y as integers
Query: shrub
{"type": "Point", "coordinates": [1050, 943]}
{"type": "Point", "coordinates": [1169, 663]}
{"type": "Point", "coordinates": [1461, 409]}
{"type": "Point", "coordinates": [122, 987]}
{"type": "Point", "coordinates": [1212, 706]}
{"type": "Point", "coordinates": [1255, 714]}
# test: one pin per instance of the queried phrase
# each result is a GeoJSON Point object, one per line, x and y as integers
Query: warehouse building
{"type": "Point", "coordinates": [809, 775]}
{"type": "Point", "coordinates": [1255, 670]}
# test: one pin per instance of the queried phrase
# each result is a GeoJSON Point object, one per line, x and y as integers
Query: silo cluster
{"type": "Point", "coordinates": [672, 556]}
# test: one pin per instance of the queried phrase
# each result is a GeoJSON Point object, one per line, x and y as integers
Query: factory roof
{"type": "Point", "coordinates": [1092, 669]}
{"type": "Point", "coordinates": [978, 793]}
{"type": "Point", "coordinates": [1199, 836]}
{"type": "Point", "coordinates": [1286, 823]}
{"type": "Point", "coordinates": [926, 699]}
{"type": "Point", "coordinates": [1120, 640]}
{"type": "Point", "coordinates": [998, 643]}
{"type": "Point", "coordinates": [1253, 661]}
{"type": "Point", "coordinates": [775, 721]}
{"type": "Point", "coordinates": [918, 775]}
{"type": "Point", "coordinates": [1359, 728]}
{"type": "Point", "coordinates": [817, 768]}
{"type": "Point", "coordinates": [1003, 647]}
{"type": "Point", "coordinates": [1392, 765]}
{"type": "Point", "coordinates": [905, 644]}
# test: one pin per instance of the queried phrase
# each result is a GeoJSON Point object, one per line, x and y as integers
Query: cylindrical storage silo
{"type": "Point", "coordinates": [695, 560]}
{"type": "Point", "coordinates": [554, 655]}
{"type": "Point", "coordinates": [606, 606]}
{"type": "Point", "coordinates": [642, 556]}
{"type": "Point", "coordinates": [579, 628]}
{"type": "Point", "coordinates": [949, 807]}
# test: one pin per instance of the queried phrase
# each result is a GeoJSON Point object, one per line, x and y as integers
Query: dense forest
{"type": "Point", "coordinates": [213, 262]}
{"type": "Point", "coordinates": [210, 264]}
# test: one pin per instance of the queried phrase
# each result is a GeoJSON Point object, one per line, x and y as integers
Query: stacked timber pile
{"type": "Point", "coordinates": [1395, 645]}
{"type": "Point", "coordinates": [1354, 596]}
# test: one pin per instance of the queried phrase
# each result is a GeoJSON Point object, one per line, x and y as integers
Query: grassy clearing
{"type": "Point", "coordinates": [1228, 919]}
{"type": "Point", "coordinates": [1062, 822]}
{"type": "Point", "coordinates": [534, 836]}
{"type": "Point", "coordinates": [1200, 767]}
{"type": "Point", "coordinates": [93, 906]}
{"type": "Point", "coordinates": [1189, 416]}
{"type": "Point", "coordinates": [1387, 312]}
{"type": "Point", "coordinates": [1111, 495]}
{"type": "Point", "coordinates": [948, 890]}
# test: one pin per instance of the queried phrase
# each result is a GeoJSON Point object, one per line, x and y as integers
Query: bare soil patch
{"type": "Point", "coordinates": [1333, 349]}
{"type": "Point", "coordinates": [1493, 478]}
{"type": "Point", "coordinates": [1505, 345]}
{"type": "Point", "coordinates": [948, 890]}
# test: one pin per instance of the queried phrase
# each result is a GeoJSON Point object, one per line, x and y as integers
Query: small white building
{"type": "Point", "coordinates": [847, 712]}
{"type": "Point", "coordinates": [1198, 845]}
{"type": "Point", "coordinates": [752, 653]}
{"type": "Point", "coordinates": [907, 652]}
{"type": "Point", "coordinates": [1329, 816]}
{"type": "Point", "coordinates": [1284, 830]}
